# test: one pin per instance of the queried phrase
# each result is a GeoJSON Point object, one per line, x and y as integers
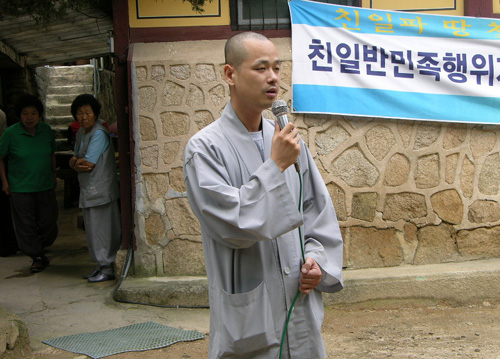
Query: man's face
{"type": "Point", "coordinates": [256, 81]}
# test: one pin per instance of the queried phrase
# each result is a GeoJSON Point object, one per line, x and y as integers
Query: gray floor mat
{"type": "Point", "coordinates": [136, 337]}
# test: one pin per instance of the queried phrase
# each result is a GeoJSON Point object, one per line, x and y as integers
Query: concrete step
{"type": "Point", "coordinates": [73, 89]}
{"type": "Point", "coordinates": [56, 81]}
{"type": "Point", "coordinates": [63, 145]}
{"type": "Point", "coordinates": [49, 76]}
{"type": "Point", "coordinates": [57, 110]}
{"type": "Point", "coordinates": [55, 121]}
{"type": "Point", "coordinates": [64, 99]}
{"type": "Point", "coordinates": [60, 131]}
{"type": "Point", "coordinates": [170, 291]}
{"type": "Point", "coordinates": [459, 283]}
{"type": "Point", "coordinates": [63, 70]}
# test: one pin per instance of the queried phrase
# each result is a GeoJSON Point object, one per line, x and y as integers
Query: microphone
{"type": "Point", "coordinates": [280, 110]}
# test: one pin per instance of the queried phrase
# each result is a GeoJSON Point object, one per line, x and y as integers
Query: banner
{"type": "Point", "coordinates": [380, 63]}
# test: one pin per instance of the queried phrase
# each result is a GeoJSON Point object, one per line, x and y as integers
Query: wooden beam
{"type": "Point", "coordinates": [11, 54]}
{"type": "Point", "coordinates": [123, 92]}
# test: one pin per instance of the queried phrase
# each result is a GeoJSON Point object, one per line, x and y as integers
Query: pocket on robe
{"type": "Point", "coordinates": [245, 323]}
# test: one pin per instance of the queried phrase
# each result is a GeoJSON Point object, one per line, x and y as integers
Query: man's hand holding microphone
{"type": "Point", "coordinates": [285, 149]}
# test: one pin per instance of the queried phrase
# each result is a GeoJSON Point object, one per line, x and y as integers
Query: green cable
{"type": "Point", "coordinates": [304, 260]}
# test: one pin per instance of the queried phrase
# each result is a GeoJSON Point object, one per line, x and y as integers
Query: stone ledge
{"type": "Point", "coordinates": [458, 282]}
{"type": "Point", "coordinates": [165, 291]}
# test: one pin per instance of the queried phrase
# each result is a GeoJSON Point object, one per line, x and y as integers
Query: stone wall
{"type": "Point", "coordinates": [406, 192]}
{"type": "Point", "coordinates": [106, 96]}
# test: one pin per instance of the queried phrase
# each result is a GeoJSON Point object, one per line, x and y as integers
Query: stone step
{"type": "Point", "coordinates": [63, 145]}
{"type": "Point", "coordinates": [63, 70]}
{"type": "Point", "coordinates": [61, 99]}
{"type": "Point", "coordinates": [60, 131]}
{"type": "Point", "coordinates": [74, 89]}
{"type": "Point", "coordinates": [68, 80]}
{"type": "Point", "coordinates": [56, 110]}
{"type": "Point", "coordinates": [54, 121]}
{"type": "Point", "coordinates": [53, 75]}
{"type": "Point", "coordinates": [459, 282]}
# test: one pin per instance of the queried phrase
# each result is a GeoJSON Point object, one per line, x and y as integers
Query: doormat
{"type": "Point", "coordinates": [136, 337]}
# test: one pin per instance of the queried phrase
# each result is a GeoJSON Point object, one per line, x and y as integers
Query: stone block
{"type": "Point", "coordinates": [174, 123]}
{"type": "Point", "coordinates": [454, 136]}
{"type": "Point", "coordinates": [149, 157]}
{"type": "Point", "coordinates": [479, 243]}
{"type": "Point", "coordinates": [147, 128]}
{"type": "Point", "coordinates": [451, 168]}
{"type": "Point", "coordinates": [484, 211]}
{"type": "Point", "coordinates": [372, 247]}
{"type": "Point", "coordinates": [327, 141]}
{"type": "Point", "coordinates": [141, 72]}
{"type": "Point", "coordinates": [203, 118]}
{"type": "Point", "coordinates": [180, 72]}
{"type": "Point", "coordinates": [436, 244]}
{"type": "Point", "coordinates": [182, 218]}
{"type": "Point", "coordinates": [195, 96]}
{"type": "Point", "coordinates": [337, 195]}
{"type": "Point", "coordinates": [489, 178]}
{"type": "Point", "coordinates": [217, 95]}
{"type": "Point", "coordinates": [448, 206]}
{"type": "Point", "coordinates": [364, 205]}
{"type": "Point", "coordinates": [397, 170]}
{"type": "Point", "coordinates": [379, 140]}
{"type": "Point", "coordinates": [482, 141]}
{"type": "Point", "coordinates": [147, 98]}
{"type": "Point", "coordinates": [176, 179]}
{"type": "Point", "coordinates": [405, 206]}
{"type": "Point", "coordinates": [183, 257]}
{"type": "Point", "coordinates": [427, 134]}
{"type": "Point", "coordinates": [467, 177]}
{"type": "Point", "coordinates": [427, 173]}
{"type": "Point", "coordinates": [353, 167]}
{"type": "Point", "coordinates": [157, 73]}
{"type": "Point", "coordinates": [173, 94]}
{"type": "Point", "coordinates": [171, 152]}
{"type": "Point", "coordinates": [154, 227]}
{"type": "Point", "coordinates": [205, 73]}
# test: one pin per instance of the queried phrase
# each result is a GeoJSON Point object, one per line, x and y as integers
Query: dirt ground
{"type": "Point", "coordinates": [382, 329]}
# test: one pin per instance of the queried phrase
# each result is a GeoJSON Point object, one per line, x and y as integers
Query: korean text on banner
{"type": "Point", "coordinates": [379, 63]}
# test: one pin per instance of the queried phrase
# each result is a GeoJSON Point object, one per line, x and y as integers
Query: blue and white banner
{"type": "Point", "coordinates": [379, 63]}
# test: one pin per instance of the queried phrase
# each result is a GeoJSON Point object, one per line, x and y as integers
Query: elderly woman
{"type": "Point", "coordinates": [31, 180]}
{"type": "Point", "coordinates": [94, 160]}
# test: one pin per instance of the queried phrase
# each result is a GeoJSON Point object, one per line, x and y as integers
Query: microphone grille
{"type": "Point", "coordinates": [279, 107]}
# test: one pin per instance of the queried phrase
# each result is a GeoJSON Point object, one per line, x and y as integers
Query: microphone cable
{"type": "Point", "coordinates": [297, 167]}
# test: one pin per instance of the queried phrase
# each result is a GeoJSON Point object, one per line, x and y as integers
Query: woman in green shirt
{"type": "Point", "coordinates": [31, 180]}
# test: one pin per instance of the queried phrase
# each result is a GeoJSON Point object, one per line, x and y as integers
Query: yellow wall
{"type": "Point", "coordinates": [496, 6]}
{"type": "Point", "coordinates": [453, 7]}
{"type": "Point", "coordinates": [172, 13]}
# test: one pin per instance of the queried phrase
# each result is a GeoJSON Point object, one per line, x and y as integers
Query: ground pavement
{"type": "Point", "coordinates": [448, 311]}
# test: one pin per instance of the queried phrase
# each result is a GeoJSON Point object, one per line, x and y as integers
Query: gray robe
{"type": "Point", "coordinates": [248, 212]}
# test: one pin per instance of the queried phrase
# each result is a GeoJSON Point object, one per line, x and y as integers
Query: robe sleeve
{"type": "Point", "coordinates": [261, 209]}
{"type": "Point", "coordinates": [322, 237]}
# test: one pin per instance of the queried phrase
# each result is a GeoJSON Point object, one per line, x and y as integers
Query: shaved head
{"type": "Point", "coordinates": [235, 52]}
